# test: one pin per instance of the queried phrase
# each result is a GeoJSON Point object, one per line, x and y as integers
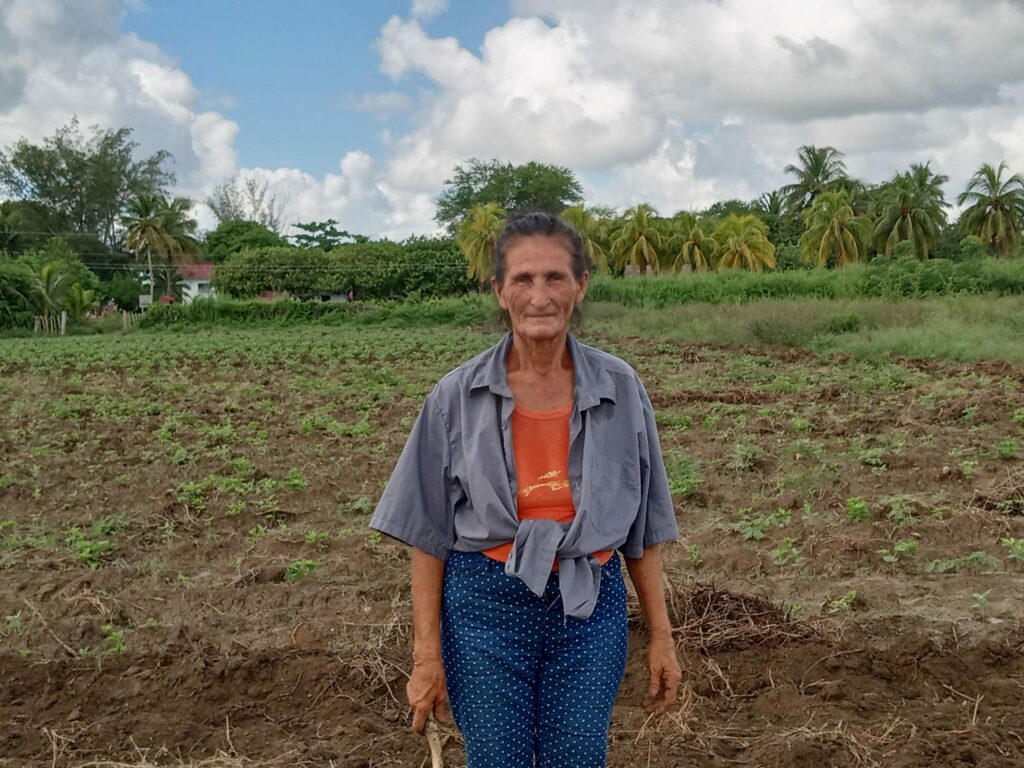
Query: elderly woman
{"type": "Point", "coordinates": [528, 469]}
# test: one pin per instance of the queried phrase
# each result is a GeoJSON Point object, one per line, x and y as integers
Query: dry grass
{"type": "Point", "coordinates": [712, 620]}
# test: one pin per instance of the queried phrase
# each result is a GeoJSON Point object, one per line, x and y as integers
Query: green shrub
{"type": "Point", "coordinates": [474, 309]}
{"type": "Point", "coordinates": [886, 277]}
{"type": "Point", "coordinates": [417, 268]}
{"type": "Point", "coordinates": [15, 281]}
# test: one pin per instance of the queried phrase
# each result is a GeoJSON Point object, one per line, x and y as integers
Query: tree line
{"type": "Point", "coordinates": [86, 204]}
{"type": "Point", "coordinates": [824, 218]}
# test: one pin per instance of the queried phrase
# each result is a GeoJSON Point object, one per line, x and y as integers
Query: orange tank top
{"type": "Point", "coordinates": [540, 442]}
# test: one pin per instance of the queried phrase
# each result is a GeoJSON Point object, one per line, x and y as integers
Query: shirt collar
{"type": "Point", "coordinates": [593, 382]}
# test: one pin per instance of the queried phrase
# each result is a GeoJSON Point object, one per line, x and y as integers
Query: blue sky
{"type": "Point", "coordinates": [292, 74]}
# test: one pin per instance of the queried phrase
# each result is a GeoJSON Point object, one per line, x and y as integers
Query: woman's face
{"type": "Point", "coordinates": [540, 290]}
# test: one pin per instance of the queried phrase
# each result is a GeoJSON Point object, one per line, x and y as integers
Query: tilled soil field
{"type": "Point", "coordinates": [188, 577]}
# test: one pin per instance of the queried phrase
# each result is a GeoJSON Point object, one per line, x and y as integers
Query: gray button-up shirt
{"type": "Point", "coordinates": [454, 487]}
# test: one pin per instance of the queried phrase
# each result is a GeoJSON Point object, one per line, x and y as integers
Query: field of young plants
{"type": "Point", "coordinates": [187, 577]}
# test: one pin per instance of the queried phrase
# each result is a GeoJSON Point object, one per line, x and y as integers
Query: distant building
{"type": "Point", "coordinates": [195, 280]}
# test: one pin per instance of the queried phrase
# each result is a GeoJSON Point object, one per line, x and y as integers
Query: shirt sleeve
{"type": "Point", "coordinates": [417, 507]}
{"type": "Point", "coordinates": [656, 521]}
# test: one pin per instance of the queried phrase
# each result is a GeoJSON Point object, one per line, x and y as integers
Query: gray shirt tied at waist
{"type": "Point", "coordinates": [455, 488]}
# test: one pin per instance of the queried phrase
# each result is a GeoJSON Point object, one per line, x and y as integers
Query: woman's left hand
{"type": "Point", "coordinates": [665, 673]}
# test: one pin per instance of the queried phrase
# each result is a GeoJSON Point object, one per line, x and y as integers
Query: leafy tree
{"type": "Point", "coordinates": [743, 243]}
{"type": "Point", "coordinates": [123, 289]}
{"type": "Point", "coordinates": [514, 188]}
{"type": "Point", "coordinates": [477, 238]}
{"type": "Point", "coordinates": [233, 236]}
{"type": "Point", "coordinates": [161, 228]}
{"type": "Point", "coordinates": [593, 230]}
{"type": "Point", "coordinates": [324, 235]}
{"type": "Point", "coordinates": [87, 178]}
{"type": "Point", "coordinates": [246, 201]}
{"type": "Point", "coordinates": [27, 225]}
{"type": "Point", "coordinates": [723, 208]}
{"type": "Point", "coordinates": [910, 207]}
{"type": "Point", "coordinates": [995, 208]}
{"type": "Point", "coordinates": [15, 285]}
{"type": "Point", "coordinates": [972, 248]}
{"type": "Point", "coordinates": [834, 233]}
{"type": "Point", "coordinates": [690, 243]}
{"type": "Point", "coordinates": [58, 253]}
{"type": "Point", "coordinates": [819, 170]}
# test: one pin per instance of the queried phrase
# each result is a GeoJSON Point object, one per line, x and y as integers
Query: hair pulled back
{"type": "Point", "coordinates": [541, 224]}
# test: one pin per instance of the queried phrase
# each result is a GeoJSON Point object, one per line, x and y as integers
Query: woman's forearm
{"type": "Point", "coordinates": [645, 573]}
{"type": "Point", "coordinates": [427, 588]}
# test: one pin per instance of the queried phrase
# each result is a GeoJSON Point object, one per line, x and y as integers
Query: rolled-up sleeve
{"type": "Point", "coordinates": [416, 506]}
{"type": "Point", "coordinates": [656, 521]}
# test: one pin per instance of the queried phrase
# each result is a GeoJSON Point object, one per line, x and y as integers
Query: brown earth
{"type": "Point", "coordinates": [194, 640]}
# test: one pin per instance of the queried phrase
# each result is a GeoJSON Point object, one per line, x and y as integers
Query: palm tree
{"type": "Point", "coordinates": [743, 243]}
{"type": "Point", "coordinates": [180, 227]}
{"type": "Point", "coordinates": [477, 237]}
{"type": "Point", "coordinates": [910, 207]}
{"type": "Point", "coordinates": [45, 294]}
{"type": "Point", "coordinates": [770, 203]}
{"type": "Point", "coordinates": [591, 229]}
{"type": "Point", "coordinates": [637, 239]}
{"type": "Point", "coordinates": [690, 243]}
{"type": "Point", "coordinates": [156, 227]}
{"type": "Point", "coordinates": [78, 301]}
{"type": "Point", "coordinates": [819, 169]}
{"type": "Point", "coordinates": [996, 210]}
{"type": "Point", "coordinates": [834, 231]}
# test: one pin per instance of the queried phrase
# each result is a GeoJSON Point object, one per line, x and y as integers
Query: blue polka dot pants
{"type": "Point", "coordinates": [527, 686]}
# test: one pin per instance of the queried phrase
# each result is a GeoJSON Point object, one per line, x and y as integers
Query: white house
{"type": "Point", "coordinates": [195, 279]}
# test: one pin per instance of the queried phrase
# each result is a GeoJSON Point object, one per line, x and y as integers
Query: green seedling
{"type": "Point", "coordinates": [295, 480]}
{"type": "Point", "coordinates": [300, 569]}
{"type": "Point", "coordinates": [317, 538]}
{"type": "Point", "coordinates": [975, 562]}
{"type": "Point", "coordinates": [745, 457]}
{"type": "Point", "coordinates": [1006, 449]}
{"type": "Point", "coordinates": [843, 604]}
{"type": "Point", "coordinates": [980, 600]}
{"type": "Point", "coordinates": [857, 510]}
{"type": "Point", "coordinates": [1015, 548]}
{"type": "Point", "coordinates": [968, 468]}
{"type": "Point", "coordinates": [874, 458]}
{"type": "Point", "coordinates": [361, 505]}
{"type": "Point", "coordinates": [682, 476]}
{"type": "Point", "coordinates": [787, 553]}
{"type": "Point", "coordinates": [257, 532]}
{"type": "Point", "coordinates": [754, 528]}
{"type": "Point", "coordinates": [114, 638]}
{"type": "Point", "coordinates": [899, 511]}
{"type": "Point", "coordinates": [12, 624]}
{"type": "Point", "coordinates": [92, 552]}
{"type": "Point", "coordinates": [693, 555]}
{"type": "Point", "coordinates": [901, 550]}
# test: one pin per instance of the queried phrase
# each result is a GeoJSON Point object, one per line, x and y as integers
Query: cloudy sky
{"type": "Point", "coordinates": [359, 110]}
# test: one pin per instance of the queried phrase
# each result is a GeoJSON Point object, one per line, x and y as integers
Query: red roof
{"type": "Point", "coordinates": [202, 271]}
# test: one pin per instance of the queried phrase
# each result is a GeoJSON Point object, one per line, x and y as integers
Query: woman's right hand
{"type": "Point", "coordinates": [427, 693]}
